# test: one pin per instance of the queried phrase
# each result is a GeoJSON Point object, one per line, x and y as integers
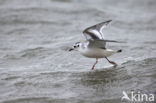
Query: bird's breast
{"type": "Point", "coordinates": [97, 53]}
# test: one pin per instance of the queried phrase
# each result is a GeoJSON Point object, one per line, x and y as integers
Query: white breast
{"type": "Point", "coordinates": [97, 53]}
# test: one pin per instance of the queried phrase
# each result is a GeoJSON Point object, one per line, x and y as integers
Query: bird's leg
{"type": "Point", "coordinates": [111, 62]}
{"type": "Point", "coordinates": [95, 64]}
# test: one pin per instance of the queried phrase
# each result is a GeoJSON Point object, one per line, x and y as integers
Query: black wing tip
{"type": "Point", "coordinates": [108, 21]}
{"type": "Point", "coordinates": [105, 22]}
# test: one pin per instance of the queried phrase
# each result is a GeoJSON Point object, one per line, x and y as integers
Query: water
{"type": "Point", "coordinates": [36, 67]}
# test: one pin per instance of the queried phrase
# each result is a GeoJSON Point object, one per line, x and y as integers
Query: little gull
{"type": "Point", "coordinates": [95, 44]}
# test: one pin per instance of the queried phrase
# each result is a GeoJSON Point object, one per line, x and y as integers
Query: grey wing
{"type": "Point", "coordinates": [97, 44]}
{"type": "Point", "coordinates": [95, 32]}
{"type": "Point", "coordinates": [100, 43]}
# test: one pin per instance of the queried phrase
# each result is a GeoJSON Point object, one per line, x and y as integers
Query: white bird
{"type": "Point", "coordinates": [95, 44]}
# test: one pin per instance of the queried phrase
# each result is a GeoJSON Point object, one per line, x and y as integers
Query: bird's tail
{"type": "Point", "coordinates": [119, 51]}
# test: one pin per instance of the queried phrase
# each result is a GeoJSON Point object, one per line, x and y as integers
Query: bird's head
{"type": "Point", "coordinates": [76, 46]}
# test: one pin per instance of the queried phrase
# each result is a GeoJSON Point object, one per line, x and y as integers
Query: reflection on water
{"type": "Point", "coordinates": [100, 77]}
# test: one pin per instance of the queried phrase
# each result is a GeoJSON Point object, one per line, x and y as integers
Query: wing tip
{"type": "Point", "coordinates": [108, 21]}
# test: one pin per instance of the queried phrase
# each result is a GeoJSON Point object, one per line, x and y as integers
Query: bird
{"type": "Point", "coordinates": [95, 45]}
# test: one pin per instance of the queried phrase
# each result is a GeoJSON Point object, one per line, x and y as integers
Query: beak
{"type": "Point", "coordinates": [71, 49]}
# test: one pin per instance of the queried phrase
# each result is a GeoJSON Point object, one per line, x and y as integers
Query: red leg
{"type": "Point", "coordinates": [95, 64]}
{"type": "Point", "coordinates": [111, 62]}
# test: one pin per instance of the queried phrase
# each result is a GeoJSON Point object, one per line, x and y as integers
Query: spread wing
{"type": "Point", "coordinates": [100, 43]}
{"type": "Point", "coordinates": [95, 32]}
{"type": "Point", "coordinates": [97, 44]}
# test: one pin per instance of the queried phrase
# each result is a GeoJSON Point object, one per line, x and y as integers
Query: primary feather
{"type": "Point", "coordinates": [95, 32]}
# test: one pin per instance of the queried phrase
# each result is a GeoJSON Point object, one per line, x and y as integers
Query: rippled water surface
{"type": "Point", "coordinates": [35, 66]}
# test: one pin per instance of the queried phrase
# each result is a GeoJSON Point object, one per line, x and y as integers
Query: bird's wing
{"type": "Point", "coordinates": [100, 43]}
{"type": "Point", "coordinates": [95, 32]}
{"type": "Point", "coordinates": [97, 44]}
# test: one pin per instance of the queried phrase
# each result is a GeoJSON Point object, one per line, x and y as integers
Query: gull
{"type": "Point", "coordinates": [95, 44]}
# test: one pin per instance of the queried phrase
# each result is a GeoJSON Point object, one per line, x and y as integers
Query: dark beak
{"type": "Point", "coordinates": [71, 49]}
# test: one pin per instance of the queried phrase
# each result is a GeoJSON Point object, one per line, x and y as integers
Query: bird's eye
{"type": "Point", "coordinates": [77, 45]}
{"type": "Point", "coordinates": [74, 46]}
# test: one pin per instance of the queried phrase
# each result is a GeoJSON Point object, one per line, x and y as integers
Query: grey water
{"type": "Point", "coordinates": [36, 66]}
